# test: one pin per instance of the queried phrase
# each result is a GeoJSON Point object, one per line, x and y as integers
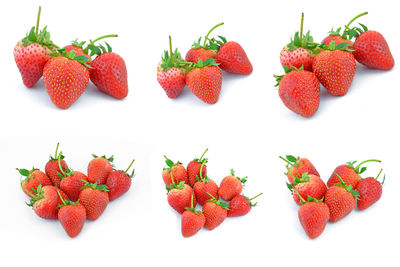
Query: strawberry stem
{"type": "Point", "coordinates": [170, 46]}
{"type": "Point", "coordinates": [298, 193]}
{"type": "Point", "coordinates": [213, 28]}
{"type": "Point", "coordinates": [62, 200]}
{"type": "Point", "coordinates": [365, 161]}
{"type": "Point", "coordinates": [301, 27]}
{"type": "Point", "coordinates": [356, 17]}
{"type": "Point", "coordinates": [205, 151]}
{"type": "Point", "coordinates": [282, 158]}
{"type": "Point", "coordinates": [191, 201]}
{"type": "Point", "coordinates": [27, 191]}
{"type": "Point", "coordinates": [129, 166]}
{"type": "Point", "coordinates": [59, 164]}
{"type": "Point", "coordinates": [55, 156]}
{"type": "Point", "coordinates": [378, 174]}
{"type": "Point", "coordinates": [256, 196]}
{"type": "Point", "coordinates": [37, 22]}
{"type": "Point", "coordinates": [104, 36]}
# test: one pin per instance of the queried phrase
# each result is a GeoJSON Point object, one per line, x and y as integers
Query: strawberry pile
{"type": "Point", "coordinates": [201, 68]}
{"type": "Point", "coordinates": [66, 71]}
{"type": "Point", "coordinates": [72, 196]}
{"type": "Point", "coordinates": [188, 186]}
{"type": "Point", "coordinates": [331, 63]}
{"type": "Point", "coordinates": [320, 202]}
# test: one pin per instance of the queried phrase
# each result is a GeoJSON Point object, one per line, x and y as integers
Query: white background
{"type": "Point", "coordinates": [247, 129]}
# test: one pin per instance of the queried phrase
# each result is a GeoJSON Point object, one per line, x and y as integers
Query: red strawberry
{"type": "Point", "coordinates": [33, 179]}
{"type": "Point", "coordinates": [65, 78]}
{"type": "Point", "coordinates": [203, 51]}
{"type": "Point", "coordinates": [337, 37]}
{"type": "Point", "coordinates": [171, 72]}
{"type": "Point", "coordinates": [205, 81]}
{"type": "Point", "coordinates": [119, 182]}
{"type": "Point", "coordinates": [195, 166]}
{"type": "Point", "coordinates": [231, 186]}
{"type": "Point", "coordinates": [341, 200]}
{"type": "Point", "coordinates": [335, 68]}
{"type": "Point", "coordinates": [99, 168]}
{"type": "Point", "coordinates": [52, 167]}
{"type": "Point", "coordinates": [349, 173]}
{"type": "Point", "coordinates": [176, 170]}
{"type": "Point", "coordinates": [372, 50]}
{"type": "Point", "coordinates": [241, 205]}
{"type": "Point", "coordinates": [232, 58]}
{"type": "Point", "coordinates": [72, 216]}
{"type": "Point", "coordinates": [109, 72]}
{"type": "Point", "coordinates": [95, 199]}
{"type": "Point", "coordinates": [215, 212]}
{"type": "Point", "coordinates": [313, 216]}
{"type": "Point", "coordinates": [32, 53]}
{"type": "Point", "coordinates": [307, 185]}
{"type": "Point", "coordinates": [299, 91]}
{"type": "Point", "coordinates": [45, 201]}
{"type": "Point", "coordinates": [298, 166]}
{"type": "Point", "coordinates": [192, 220]}
{"type": "Point", "coordinates": [370, 191]}
{"type": "Point", "coordinates": [179, 196]}
{"type": "Point", "coordinates": [72, 183]}
{"type": "Point", "coordinates": [299, 52]}
{"type": "Point", "coordinates": [204, 188]}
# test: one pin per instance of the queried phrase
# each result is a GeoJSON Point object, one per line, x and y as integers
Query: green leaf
{"type": "Point", "coordinates": [290, 157]}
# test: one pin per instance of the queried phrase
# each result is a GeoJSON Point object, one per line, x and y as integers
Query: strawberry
{"type": "Point", "coordinates": [99, 168]}
{"type": "Point", "coordinates": [204, 188]}
{"type": "Point", "coordinates": [372, 50]}
{"type": "Point", "coordinates": [231, 186]}
{"type": "Point", "coordinates": [337, 37]}
{"type": "Point", "coordinates": [204, 79]}
{"type": "Point", "coordinates": [65, 78]}
{"type": "Point", "coordinates": [192, 220]}
{"type": "Point", "coordinates": [232, 58]}
{"type": "Point", "coordinates": [307, 185]}
{"type": "Point", "coordinates": [52, 168]}
{"type": "Point", "coordinates": [299, 52]}
{"type": "Point", "coordinates": [299, 91]}
{"type": "Point", "coordinates": [341, 200]}
{"type": "Point", "coordinates": [335, 68]}
{"type": "Point", "coordinates": [179, 196]}
{"type": "Point", "coordinates": [313, 216]}
{"type": "Point", "coordinates": [215, 212]}
{"type": "Point", "coordinates": [195, 167]}
{"type": "Point", "coordinates": [45, 201]}
{"type": "Point", "coordinates": [176, 170]}
{"type": "Point", "coordinates": [119, 182]}
{"type": "Point", "coordinates": [298, 166]}
{"type": "Point", "coordinates": [72, 183]}
{"type": "Point", "coordinates": [32, 180]}
{"type": "Point", "coordinates": [109, 72]}
{"type": "Point", "coordinates": [241, 205]}
{"type": "Point", "coordinates": [32, 53]}
{"type": "Point", "coordinates": [72, 216]}
{"type": "Point", "coordinates": [94, 198]}
{"type": "Point", "coordinates": [203, 51]}
{"type": "Point", "coordinates": [349, 173]}
{"type": "Point", "coordinates": [370, 191]}
{"type": "Point", "coordinates": [171, 72]}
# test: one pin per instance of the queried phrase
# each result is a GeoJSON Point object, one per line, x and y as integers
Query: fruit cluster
{"type": "Point", "coordinates": [188, 186]}
{"type": "Point", "coordinates": [331, 63]}
{"type": "Point", "coordinates": [66, 71]}
{"type": "Point", "coordinates": [71, 196]}
{"type": "Point", "coordinates": [320, 202]}
{"type": "Point", "coordinates": [201, 69]}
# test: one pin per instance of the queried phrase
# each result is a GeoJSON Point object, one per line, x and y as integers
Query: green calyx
{"type": "Point", "coordinates": [92, 48]}
{"type": "Point", "coordinates": [201, 64]}
{"type": "Point", "coordinates": [110, 159]}
{"type": "Point", "coordinates": [358, 168]}
{"type": "Point", "coordinates": [172, 59]}
{"type": "Point", "coordinates": [218, 202]}
{"type": "Point", "coordinates": [291, 161]}
{"type": "Point", "coordinates": [39, 194]}
{"type": "Point", "coordinates": [192, 208]}
{"type": "Point", "coordinates": [302, 40]}
{"type": "Point", "coordinates": [71, 55]}
{"type": "Point", "coordinates": [65, 202]}
{"type": "Point", "coordinates": [95, 186]}
{"type": "Point", "coordinates": [202, 159]}
{"type": "Point", "coordinates": [56, 155]}
{"type": "Point", "coordinates": [349, 188]}
{"type": "Point", "coordinates": [42, 37]}
{"type": "Point", "coordinates": [356, 31]}
{"type": "Point", "coordinates": [348, 33]}
{"type": "Point", "coordinates": [278, 78]}
{"type": "Point", "coordinates": [210, 43]}
{"type": "Point", "coordinates": [333, 47]}
{"type": "Point", "coordinates": [178, 186]}
{"type": "Point", "coordinates": [25, 173]}
{"type": "Point", "coordinates": [242, 180]}
{"type": "Point", "coordinates": [170, 164]}
{"type": "Point", "coordinates": [298, 180]}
